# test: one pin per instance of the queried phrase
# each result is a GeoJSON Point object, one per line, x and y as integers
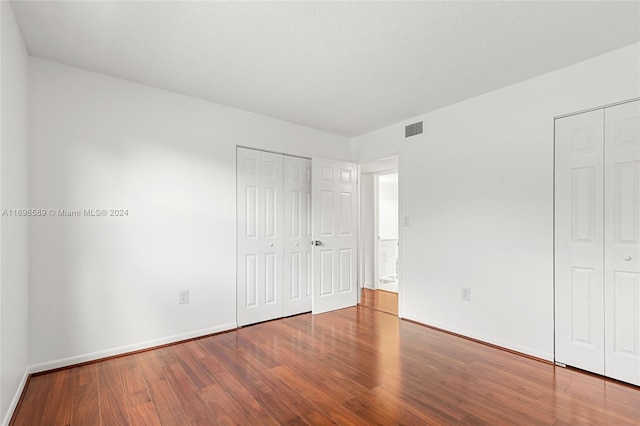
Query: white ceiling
{"type": "Point", "coordinates": [343, 67]}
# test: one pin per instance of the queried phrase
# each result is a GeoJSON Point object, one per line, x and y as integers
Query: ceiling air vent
{"type": "Point", "coordinates": [413, 129]}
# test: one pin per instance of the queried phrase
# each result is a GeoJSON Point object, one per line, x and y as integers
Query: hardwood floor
{"type": "Point", "coordinates": [353, 366]}
{"type": "Point", "coordinates": [381, 300]}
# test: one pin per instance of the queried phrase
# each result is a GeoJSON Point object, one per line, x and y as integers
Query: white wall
{"type": "Point", "coordinates": [14, 262]}
{"type": "Point", "coordinates": [478, 189]}
{"type": "Point", "coordinates": [107, 284]}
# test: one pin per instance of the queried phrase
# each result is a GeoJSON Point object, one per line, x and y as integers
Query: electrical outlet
{"type": "Point", "coordinates": [183, 296]}
{"type": "Point", "coordinates": [405, 221]}
{"type": "Point", "coordinates": [466, 294]}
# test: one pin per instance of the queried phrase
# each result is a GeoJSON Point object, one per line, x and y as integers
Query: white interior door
{"type": "Point", "coordinates": [579, 286]}
{"type": "Point", "coordinates": [334, 192]}
{"type": "Point", "coordinates": [297, 236]}
{"type": "Point", "coordinates": [260, 237]}
{"type": "Point", "coordinates": [622, 242]}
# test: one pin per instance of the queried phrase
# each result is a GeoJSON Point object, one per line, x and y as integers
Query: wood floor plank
{"type": "Point", "coordinates": [187, 394]}
{"type": "Point", "coordinates": [278, 387]}
{"type": "Point", "coordinates": [428, 414]}
{"type": "Point", "coordinates": [86, 403]}
{"type": "Point", "coordinates": [318, 418]}
{"type": "Point", "coordinates": [130, 374]}
{"type": "Point", "coordinates": [225, 353]}
{"type": "Point", "coordinates": [35, 397]}
{"type": "Point", "coordinates": [277, 398]}
{"type": "Point", "coordinates": [251, 408]}
{"type": "Point", "coordinates": [187, 356]}
{"type": "Point", "coordinates": [59, 404]}
{"type": "Point", "coordinates": [225, 411]}
{"type": "Point", "coordinates": [140, 407]}
{"type": "Point", "coordinates": [150, 366]}
{"type": "Point", "coordinates": [144, 414]}
{"type": "Point", "coordinates": [168, 408]}
{"type": "Point", "coordinates": [113, 408]}
{"type": "Point", "coordinates": [329, 402]}
{"type": "Point", "coordinates": [356, 366]}
{"type": "Point", "coordinates": [228, 410]}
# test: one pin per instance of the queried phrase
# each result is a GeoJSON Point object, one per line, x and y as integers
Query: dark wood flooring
{"type": "Point", "coordinates": [353, 366]}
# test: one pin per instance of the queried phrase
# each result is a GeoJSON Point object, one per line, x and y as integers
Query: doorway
{"type": "Point", "coordinates": [386, 215]}
{"type": "Point", "coordinates": [379, 237]}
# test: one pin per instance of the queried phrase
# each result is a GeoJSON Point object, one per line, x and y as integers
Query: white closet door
{"type": "Point", "coordinates": [334, 192]}
{"type": "Point", "coordinates": [260, 241]}
{"type": "Point", "coordinates": [622, 242]}
{"type": "Point", "coordinates": [579, 286]}
{"type": "Point", "coordinates": [297, 235]}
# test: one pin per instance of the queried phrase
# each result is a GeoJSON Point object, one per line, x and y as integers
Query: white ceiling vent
{"type": "Point", "coordinates": [413, 129]}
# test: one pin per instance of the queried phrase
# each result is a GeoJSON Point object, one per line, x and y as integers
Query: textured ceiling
{"type": "Point", "coordinates": [343, 67]}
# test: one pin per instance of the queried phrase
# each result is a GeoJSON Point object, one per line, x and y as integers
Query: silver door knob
{"type": "Point", "coordinates": [316, 243]}
{"type": "Point", "coordinates": [296, 244]}
{"type": "Point", "coordinates": [627, 258]}
{"type": "Point", "coordinates": [271, 245]}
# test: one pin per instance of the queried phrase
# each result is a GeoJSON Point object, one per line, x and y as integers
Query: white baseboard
{"type": "Point", "coordinates": [79, 359]}
{"type": "Point", "coordinates": [369, 285]}
{"type": "Point", "coordinates": [16, 398]}
{"type": "Point", "coordinates": [483, 338]}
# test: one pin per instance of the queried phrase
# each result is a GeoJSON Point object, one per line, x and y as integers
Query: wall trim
{"type": "Point", "coordinates": [17, 398]}
{"type": "Point", "coordinates": [73, 361]}
{"type": "Point", "coordinates": [596, 108]}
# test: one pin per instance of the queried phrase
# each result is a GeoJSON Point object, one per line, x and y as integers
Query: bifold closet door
{"type": "Point", "coordinates": [297, 236]}
{"type": "Point", "coordinates": [260, 236]}
{"type": "Point", "coordinates": [597, 241]}
{"type": "Point", "coordinates": [579, 249]}
{"type": "Point", "coordinates": [622, 242]}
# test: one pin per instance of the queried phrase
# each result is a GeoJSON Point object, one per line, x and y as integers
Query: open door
{"type": "Point", "coordinates": [334, 198]}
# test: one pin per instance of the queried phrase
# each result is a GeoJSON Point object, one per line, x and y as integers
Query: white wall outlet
{"type": "Point", "coordinates": [466, 294]}
{"type": "Point", "coordinates": [183, 296]}
{"type": "Point", "coordinates": [405, 221]}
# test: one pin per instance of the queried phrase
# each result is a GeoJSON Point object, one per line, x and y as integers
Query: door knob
{"type": "Point", "coordinates": [296, 244]}
{"type": "Point", "coordinates": [627, 258]}
{"type": "Point", "coordinates": [271, 245]}
{"type": "Point", "coordinates": [316, 243]}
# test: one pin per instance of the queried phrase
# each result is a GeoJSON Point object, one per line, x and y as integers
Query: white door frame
{"type": "Point", "coordinates": [396, 169]}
